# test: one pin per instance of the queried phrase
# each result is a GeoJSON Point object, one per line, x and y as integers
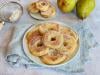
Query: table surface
{"type": "Point", "coordinates": [91, 67]}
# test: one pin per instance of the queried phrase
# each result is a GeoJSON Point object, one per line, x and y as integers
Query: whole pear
{"type": "Point", "coordinates": [66, 6]}
{"type": "Point", "coordinates": [84, 8]}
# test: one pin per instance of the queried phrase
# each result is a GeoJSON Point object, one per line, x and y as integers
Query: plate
{"type": "Point", "coordinates": [39, 17]}
{"type": "Point", "coordinates": [37, 59]}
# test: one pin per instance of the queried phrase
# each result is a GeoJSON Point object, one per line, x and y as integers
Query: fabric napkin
{"type": "Point", "coordinates": [17, 58]}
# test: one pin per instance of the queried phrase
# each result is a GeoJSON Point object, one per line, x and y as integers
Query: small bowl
{"type": "Point", "coordinates": [5, 14]}
{"type": "Point", "coordinates": [37, 59]}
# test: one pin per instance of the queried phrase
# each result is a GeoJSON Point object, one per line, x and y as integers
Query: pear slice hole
{"type": "Point", "coordinates": [39, 44]}
{"type": "Point", "coordinates": [65, 43]}
{"type": "Point", "coordinates": [53, 38]}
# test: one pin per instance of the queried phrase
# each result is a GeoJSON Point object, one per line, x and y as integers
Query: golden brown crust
{"type": "Point", "coordinates": [35, 43]}
{"type": "Point", "coordinates": [32, 8]}
{"type": "Point", "coordinates": [49, 13]}
{"type": "Point", "coordinates": [54, 57]}
{"type": "Point", "coordinates": [53, 39]}
{"type": "Point", "coordinates": [68, 31]}
{"type": "Point", "coordinates": [43, 28]}
{"type": "Point", "coordinates": [42, 5]}
{"type": "Point", "coordinates": [69, 44]}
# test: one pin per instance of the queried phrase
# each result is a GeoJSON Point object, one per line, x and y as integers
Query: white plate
{"type": "Point", "coordinates": [39, 17]}
{"type": "Point", "coordinates": [36, 59]}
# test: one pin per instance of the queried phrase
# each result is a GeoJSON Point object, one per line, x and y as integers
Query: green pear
{"type": "Point", "coordinates": [84, 8]}
{"type": "Point", "coordinates": [66, 6]}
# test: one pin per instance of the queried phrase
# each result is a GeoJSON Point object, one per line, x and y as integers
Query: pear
{"type": "Point", "coordinates": [66, 6]}
{"type": "Point", "coordinates": [84, 8]}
